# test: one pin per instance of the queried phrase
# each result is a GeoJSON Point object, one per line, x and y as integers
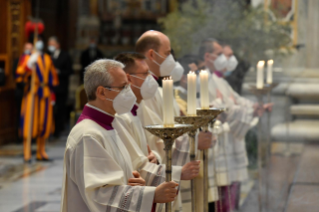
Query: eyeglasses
{"type": "Point", "coordinates": [117, 89]}
{"type": "Point", "coordinates": [143, 74]}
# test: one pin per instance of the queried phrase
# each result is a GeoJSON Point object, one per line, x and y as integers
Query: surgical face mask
{"type": "Point", "coordinates": [124, 101]}
{"type": "Point", "coordinates": [148, 88]}
{"type": "Point", "coordinates": [227, 73]}
{"type": "Point", "coordinates": [92, 45]}
{"type": "Point", "coordinates": [177, 72]}
{"type": "Point", "coordinates": [167, 66]}
{"type": "Point", "coordinates": [220, 63]}
{"type": "Point", "coordinates": [39, 45]}
{"type": "Point", "coordinates": [231, 63]}
{"type": "Point", "coordinates": [27, 51]}
{"type": "Point", "coordinates": [51, 49]}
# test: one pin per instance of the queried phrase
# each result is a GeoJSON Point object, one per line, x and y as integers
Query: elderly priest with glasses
{"type": "Point", "coordinates": [98, 171]}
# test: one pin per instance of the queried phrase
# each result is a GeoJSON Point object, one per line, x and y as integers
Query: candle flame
{"type": "Point", "coordinates": [270, 62]}
{"type": "Point", "coordinates": [191, 72]}
{"type": "Point", "coordinates": [261, 63]}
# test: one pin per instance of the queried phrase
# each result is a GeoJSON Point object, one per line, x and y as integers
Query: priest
{"type": "Point", "coordinates": [156, 47]}
{"type": "Point", "coordinates": [98, 170]}
{"type": "Point", "coordinates": [242, 114]}
{"type": "Point", "coordinates": [144, 87]}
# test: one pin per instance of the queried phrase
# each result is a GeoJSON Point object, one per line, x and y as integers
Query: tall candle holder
{"type": "Point", "coordinates": [169, 134]}
{"type": "Point", "coordinates": [197, 122]}
{"type": "Point", "coordinates": [259, 94]}
{"type": "Point", "coordinates": [212, 113]}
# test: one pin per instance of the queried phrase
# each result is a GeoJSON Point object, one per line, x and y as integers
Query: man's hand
{"type": "Point", "coordinates": [151, 157]}
{"type": "Point", "coordinates": [268, 107]}
{"type": "Point", "coordinates": [258, 110]}
{"type": "Point", "coordinates": [166, 192]}
{"type": "Point", "coordinates": [137, 180]}
{"type": "Point", "coordinates": [205, 140]}
{"type": "Point", "coordinates": [190, 170]}
{"type": "Point", "coordinates": [32, 60]}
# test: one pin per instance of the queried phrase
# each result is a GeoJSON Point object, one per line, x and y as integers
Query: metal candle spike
{"type": "Point", "coordinates": [212, 113]}
{"type": "Point", "coordinates": [169, 134]}
{"type": "Point", "coordinates": [197, 122]}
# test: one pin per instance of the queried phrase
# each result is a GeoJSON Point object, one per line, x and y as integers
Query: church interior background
{"type": "Point", "coordinates": [291, 173]}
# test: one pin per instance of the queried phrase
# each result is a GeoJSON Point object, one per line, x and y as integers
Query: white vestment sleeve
{"type": "Point", "coordinates": [100, 180]}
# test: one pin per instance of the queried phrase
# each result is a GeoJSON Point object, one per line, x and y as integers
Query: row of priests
{"type": "Point", "coordinates": [112, 164]}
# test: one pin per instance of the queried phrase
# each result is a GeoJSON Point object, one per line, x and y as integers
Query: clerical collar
{"type": "Point", "coordinates": [134, 110]}
{"type": "Point", "coordinates": [219, 74]}
{"type": "Point", "coordinates": [155, 77]}
{"type": "Point", "coordinates": [101, 117]}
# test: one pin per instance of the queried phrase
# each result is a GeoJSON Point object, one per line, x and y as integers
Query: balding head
{"type": "Point", "coordinates": [155, 46]}
{"type": "Point", "coordinates": [149, 40]}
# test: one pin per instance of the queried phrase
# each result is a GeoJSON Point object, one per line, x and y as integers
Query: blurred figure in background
{"type": "Point", "coordinates": [89, 55]}
{"type": "Point", "coordinates": [236, 77]}
{"type": "Point", "coordinates": [242, 114]}
{"type": "Point", "coordinates": [45, 81]}
{"type": "Point", "coordinates": [28, 47]}
{"type": "Point", "coordinates": [63, 66]}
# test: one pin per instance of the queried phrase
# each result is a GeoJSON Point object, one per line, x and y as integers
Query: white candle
{"type": "Point", "coordinates": [260, 74]}
{"type": "Point", "coordinates": [191, 93]}
{"type": "Point", "coordinates": [168, 110]}
{"type": "Point", "coordinates": [269, 71]}
{"type": "Point", "coordinates": [204, 97]}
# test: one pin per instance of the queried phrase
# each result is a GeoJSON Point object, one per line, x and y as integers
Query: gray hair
{"type": "Point", "coordinates": [97, 74]}
{"type": "Point", "coordinates": [206, 46]}
{"type": "Point", "coordinates": [55, 38]}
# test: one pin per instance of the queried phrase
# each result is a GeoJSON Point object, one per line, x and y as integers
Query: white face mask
{"type": "Point", "coordinates": [39, 45]}
{"type": "Point", "coordinates": [148, 88]}
{"type": "Point", "coordinates": [177, 72]}
{"type": "Point", "coordinates": [231, 63]}
{"type": "Point", "coordinates": [51, 49]}
{"type": "Point", "coordinates": [220, 63]}
{"type": "Point", "coordinates": [167, 65]}
{"type": "Point", "coordinates": [124, 101]}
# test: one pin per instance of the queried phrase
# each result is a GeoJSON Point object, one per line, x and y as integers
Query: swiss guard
{"type": "Point", "coordinates": [40, 77]}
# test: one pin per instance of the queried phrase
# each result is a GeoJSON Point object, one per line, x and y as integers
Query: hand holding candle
{"type": "Point", "coordinates": [191, 93]}
{"type": "Point", "coordinates": [269, 71]}
{"type": "Point", "coordinates": [204, 97]}
{"type": "Point", "coordinates": [260, 75]}
{"type": "Point", "coordinates": [168, 110]}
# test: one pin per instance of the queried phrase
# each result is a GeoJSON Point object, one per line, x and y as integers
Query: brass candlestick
{"type": "Point", "coordinates": [169, 134]}
{"type": "Point", "coordinates": [212, 113]}
{"type": "Point", "coordinates": [259, 94]}
{"type": "Point", "coordinates": [197, 122]}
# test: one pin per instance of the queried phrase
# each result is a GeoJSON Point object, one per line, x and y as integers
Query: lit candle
{"type": "Point", "coordinates": [269, 71]}
{"type": "Point", "coordinates": [204, 97]}
{"type": "Point", "coordinates": [168, 110]}
{"type": "Point", "coordinates": [191, 93]}
{"type": "Point", "coordinates": [260, 75]}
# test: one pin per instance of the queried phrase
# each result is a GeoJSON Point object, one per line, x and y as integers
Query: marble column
{"type": "Point", "coordinates": [312, 42]}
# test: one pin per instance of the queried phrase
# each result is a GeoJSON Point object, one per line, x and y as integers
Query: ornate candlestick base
{"type": "Point", "coordinates": [197, 122]}
{"type": "Point", "coordinates": [211, 114]}
{"type": "Point", "coordinates": [169, 134]}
